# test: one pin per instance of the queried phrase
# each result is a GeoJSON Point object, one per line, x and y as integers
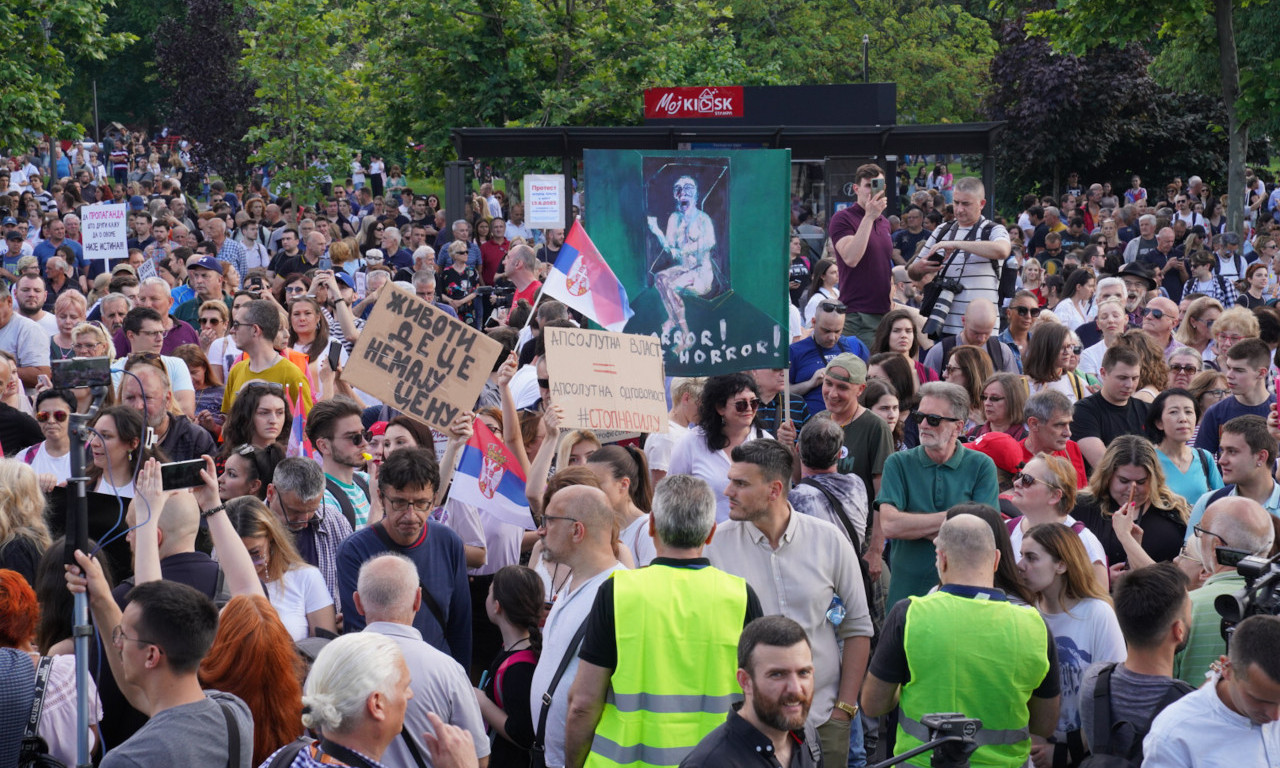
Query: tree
{"type": "Point", "coordinates": [211, 102]}
{"type": "Point", "coordinates": [301, 55]}
{"type": "Point", "coordinates": [1079, 25]}
{"type": "Point", "coordinates": [33, 68]}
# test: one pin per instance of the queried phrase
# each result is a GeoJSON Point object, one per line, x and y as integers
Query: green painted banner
{"type": "Point", "coordinates": [699, 239]}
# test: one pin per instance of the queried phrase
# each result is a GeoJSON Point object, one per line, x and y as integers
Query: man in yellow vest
{"type": "Point", "coordinates": [658, 668]}
{"type": "Point", "coordinates": [966, 649]}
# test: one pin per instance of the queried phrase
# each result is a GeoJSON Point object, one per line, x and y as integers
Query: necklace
{"type": "Point", "coordinates": [515, 644]}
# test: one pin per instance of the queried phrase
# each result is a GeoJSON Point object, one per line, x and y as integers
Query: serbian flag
{"type": "Point", "coordinates": [299, 445]}
{"type": "Point", "coordinates": [581, 279]}
{"type": "Point", "coordinates": [489, 478]}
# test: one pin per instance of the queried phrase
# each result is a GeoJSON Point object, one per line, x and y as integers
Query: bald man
{"type": "Point", "coordinates": [1159, 319]}
{"type": "Point", "coordinates": [978, 329]}
{"type": "Point", "coordinates": [179, 560]}
{"type": "Point", "coordinates": [1237, 523]}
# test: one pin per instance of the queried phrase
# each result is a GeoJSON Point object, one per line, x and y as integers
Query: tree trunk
{"type": "Point", "coordinates": [1237, 131]}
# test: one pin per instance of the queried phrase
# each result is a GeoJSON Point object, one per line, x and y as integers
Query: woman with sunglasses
{"type": "Point", "coordinates": [223, 352]}
{"type": "Point", "coordinates": [969, 367]}
{"type": "Point", "coordinates": [1196, 329]}
{"type": "Point", "coordinates": [1045, 492]}
{"type": "Point", "coordinates": [1184, 364]}
{"type": "Point", "coordinates": [51, 458]}
{"type": "Point", "coordinates": [1045, 364]}
{"type": "Point", "coordinates": [1078, 612]}
{"type": "Point", "coordinates": [296, 590]}
{"type": "Point", "coordinates": [726, 419]}
{"type": "Point", "coordinates": [291, 287]}
{"type": "Point", "coordinates": [1076, 307]}
{"type": "Point", "coordinates": [823, 287]}
{"type": "Point", "coordinates": [1003, 397]}
{"type": "Point", "coordinates": [1112, 320]}
{"type": "Point", "coordinates": [371, 229]}
{"type": "Point", "coordinates": [1171, 423]}
{"type": "Point", "coordinates": [1127, 491]}
{"type": "Point", "coordinates": [897, 334]}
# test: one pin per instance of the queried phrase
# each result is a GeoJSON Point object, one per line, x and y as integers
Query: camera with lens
{"type": "Point", "coordinates": [944, 292]}
{"type": "Point", "coordinates": [501, 295]}
{"type": "Point", "coordinates": [1260, 595]}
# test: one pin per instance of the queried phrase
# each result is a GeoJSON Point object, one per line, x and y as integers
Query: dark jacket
{"type": "Point", "coordinates": [185, 441]}
{"type": "Point", "coordinates": [738, 744]}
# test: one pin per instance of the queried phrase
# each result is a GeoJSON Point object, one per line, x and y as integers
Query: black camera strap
{"type": "Point", "coordinates": [972, 236]}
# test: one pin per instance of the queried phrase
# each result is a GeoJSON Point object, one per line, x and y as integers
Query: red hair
{"type": "Point", "coordinates": [253, 657]}
{"type": "Point", "coordinates": [19, 611]}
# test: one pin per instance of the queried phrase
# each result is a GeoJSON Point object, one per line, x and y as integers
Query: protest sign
{"type": "Point", "coordinates": [608, 381]}
{"type": "Point", "coordinates": [695, 238]}
{"type": "Point", "coordinates": [147, 269]}
{"type": "Point", "coordinates": [544, 200]}
{"type": "Point", "coordinates": [105, 230]}
{"type": "Point", "coordinates": [420, 361]}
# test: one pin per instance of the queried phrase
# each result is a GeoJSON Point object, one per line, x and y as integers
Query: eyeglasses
{"type": "Point", "coordinates": [295, 289]}
{"type": "Point", "coordinates": [238, 324]}
{"type": "Point", "coordinates": [1150, 312]}
{"type": "Point", "coordinates": [1216, 392]}
{"type": "Point", "coordinates": [545, 518]}
{"type": "Point", "coordinates": [88, 347]}
{"type": "Point", "coordinates": [993, 398]}
{"type": "Point", "coordinates": [544, 383]}
{"type": "Point", "coordinates": [1074, 349]}
{"type": "Point", "coordinates": [58, 416]}
{"type": "Point", "coordinates": [400, 505]}
{"type": "Point", "coordinates": [297, 520]}
{"type": "Point", "coordinates": [1205, 532]}
{"type": "Point", "coordinates": [743, 406]}
{"type": "Point", "coordinates": [211, 321]}
{"type": "Point", "coordinates": [1208, 324]}
{"type": "Point", "coordinates": [833, 306]}
{"type": "Point", "coordinates": [1026, 480]}
{"type": "Point", "coordinates": [953, 369]}
{"type": "Point", "coordinates": [1229, 337]}
{"type": "Point", "coordinates": [118, 637]}
{"type": "Point", "coordinates": [152, 334]}
{"type": "Point", "coordinates": [1028, 311]}
{"type": "Point", "coordinates": [1184, 369]}
{"type": "Point", "coordinates": [933, 418]}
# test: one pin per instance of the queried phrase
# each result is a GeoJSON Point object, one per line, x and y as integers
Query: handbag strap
{"type": "Point", "coordinates": [37, 704]}
{"type": "Point", "coordinates": [838, 510]}
{"type": "Point", "coordinates": [233, 736]}
{"type": "Point", "coordinates": [541, 732]}
{"type": "Point", "coordinates": [1102, 710]}
{"type": "Point", "coordinates": [412, 744]}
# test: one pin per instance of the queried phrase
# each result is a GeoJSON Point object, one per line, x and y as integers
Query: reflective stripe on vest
{"type": "Point", "coordinates": [979, 657]}
{"type": "Point", "coordinates": [677, 635]}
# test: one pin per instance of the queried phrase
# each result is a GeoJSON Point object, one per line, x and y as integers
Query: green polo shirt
{"type": "Point", "coordinates": [189, 310]}
{"type": "Point", "coordinates": [913, 482]}
{"type": "Point", "coordinates": [1204, 642]}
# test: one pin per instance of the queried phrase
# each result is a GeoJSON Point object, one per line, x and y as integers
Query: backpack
{"type": "Point", "coordinates": [1104, 754]}
{"type": "Point", "coordinates": [344, 501]}
{"type": "Point", "coordinates": [526, 655]}
{"type": "Point", "coordinates": [1014, 522]}
{"type": "Point", "coordinates": [995, 349]}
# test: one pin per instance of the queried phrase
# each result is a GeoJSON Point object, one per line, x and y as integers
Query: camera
{"type": "Point", "coordinates": [501, 294]}
{"type": "Point", "coordinates": [947, 290]}
{"type": "Point", "coordinates": [1260, 596]}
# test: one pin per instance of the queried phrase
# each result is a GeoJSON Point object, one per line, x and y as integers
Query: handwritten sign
{"type": "Point", "coordinates": [147, 269]}
{"type": "Point", "coordinates": [544, 200]}
{"type": "Point", "coordinates": [420, 361]}
{"type": "Point", "coordinates": [105, 229]}
{"type": "Point", "coordinates": [607, 381]}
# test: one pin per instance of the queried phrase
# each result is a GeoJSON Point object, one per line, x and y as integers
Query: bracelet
{"type": "Point", "coordinates": [211, 512]}
{"type": "Point", "coordinates": [335, 301]}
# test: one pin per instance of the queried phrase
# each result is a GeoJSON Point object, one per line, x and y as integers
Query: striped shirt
{"type": "Point", "coordinates": [977, 274]}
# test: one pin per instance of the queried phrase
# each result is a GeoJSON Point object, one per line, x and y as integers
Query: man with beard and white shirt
{"type": "Point", "coordinates": [30, 294]}
{"type": "Point", "coordinates": [775, 671]}
{"type": "Point", "coordinates": [577, 535]}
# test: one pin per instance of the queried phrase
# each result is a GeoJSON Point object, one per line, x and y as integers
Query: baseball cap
{"type": "Point", "coordinates": [1002, 448]}
{"type": "Point", "coordinates": [848, 368]}
{"type": "Point", "coordinates": [206, 262]}
{"type": "Point", "coordinates": [9, 221]}
{"type": "Point", "coordinates": [136, 203]}
{"type": "Point", "coordinates": [344, 278]}
{"type": "Point", "coordinates": [13, 235]}
{"type": "Point", "coordinates": [124, 268]}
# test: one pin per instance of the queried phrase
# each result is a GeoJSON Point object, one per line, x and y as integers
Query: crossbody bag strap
{"type": "Point", "coordinates": [43, 669]}
{"type": "Point", "coordinates": [1102, 710]}
{"type": "Point", "coordinates": [540, 733]}
{"type": "Point", "coordinates": [428, 599]}
{"type": "Point", "coordinates": [838, 509]}
{"type": "Point", "coordinates": [233, 736]}
{"type": "Point", "coordinates": [412, 744]}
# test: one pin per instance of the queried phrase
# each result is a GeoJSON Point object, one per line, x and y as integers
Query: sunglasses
{"type": "Point", "coordinates": [1026, 480]}
{"type": "Point", "coordinates": [1074, 349]}
{"type": "Point", "coordinates": [58, 416]}
{"type": "Point", "coordinates": [933, 418]}
{"type": "Point", "coordinates": [833, 306]}
{"type": "Point", "coordinates": [211, 321]}
{"type": "Point", "coordinates": [993, 398]}
{"type": "Point", "coordinates": [1156, 313]}
{"type": "Point", "coordinates": [544, 383]}
{"type": "Point", "coordinates": [1185, 369]}
{"type": "Point", "coordinates": [1028, 311]}
{"type": "Point", "coordinates": [743, 406]}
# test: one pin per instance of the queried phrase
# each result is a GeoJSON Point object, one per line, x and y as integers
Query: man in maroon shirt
{"type": "Point", "coordinates": [864, 250]}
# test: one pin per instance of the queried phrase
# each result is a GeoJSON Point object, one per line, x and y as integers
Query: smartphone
{"type": "Point", "coordinates": [877, 185]}
{"type": "Point", "coordinates": [936, 258]}
{"type": "Point", "coordinates": [181, 474]}
{"type": "Point", "coordinates": [326, 263]}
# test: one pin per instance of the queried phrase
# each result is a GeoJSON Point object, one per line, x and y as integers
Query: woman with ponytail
{"type": "Point", "coordinates": [515, 605]}
{"type": "Point", "coordinates": [624, 477]}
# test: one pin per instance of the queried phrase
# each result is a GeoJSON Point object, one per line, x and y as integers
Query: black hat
{"type": "Point", "coordinates": [1140, 271]}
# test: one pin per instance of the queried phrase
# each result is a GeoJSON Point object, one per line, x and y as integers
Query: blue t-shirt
{"type": "Point", "coordinates": [1192, 484]}
{"type": "Point", "coordinates": [1223, 411]}
{"type": "Point", "coordinates": [807, 358]}
{"type": "Point", "coordinates": [47, 250]}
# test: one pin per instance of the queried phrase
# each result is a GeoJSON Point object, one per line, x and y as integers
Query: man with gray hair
{"type": "Point", "coordinates": [1232, 522]}
{"type": "Point", "coordinates": [295, 494]}
{"type": "Point", "coordinates": [1048, 414]}
{"type": "Point", "coordinates": [824, 493]}
{"type": "Point", "coordinates": [799, 564]}
{"type": "Point", "coordinates": [1002, 669]}
{"type": "Point", "coordinates": [919, 485]}
{"type": "Point", "coordinates": [1144, 242]}
{"type": "Point", "coordinates": [112, 309]}
{"type": "Point", "coordinates": [672, 659]}
{"type": "Point", "coordinates": [388, 596]}
{"type": "Point", "coordinates": [577, 533]}
{"type": "Point", "coordinates": [460, 232]}
{"type": "Point", "coordinates": [424, 287]}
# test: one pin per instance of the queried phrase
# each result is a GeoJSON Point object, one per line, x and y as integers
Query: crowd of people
{"type": "Point", "coordinates": [1007, 472]}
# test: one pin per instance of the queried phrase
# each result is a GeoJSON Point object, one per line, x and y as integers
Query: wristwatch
{"type": "Point", "coordinates": [850, 709]}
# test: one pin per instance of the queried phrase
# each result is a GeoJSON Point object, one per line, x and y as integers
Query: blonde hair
{"type": "Point", "coordinates": [570, 441]}
{"type": "Point", "coordinates": [98, 332]}
{"type": "Point", "coordinates": [1195, 309]}
{"type": "Point", "coordinates": [1238, 319]}
{"type": "Point", "coordinates": [21, 505]}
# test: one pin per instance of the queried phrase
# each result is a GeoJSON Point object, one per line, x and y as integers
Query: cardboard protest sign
{"type": "Point", "coordinates": [420, 361]}
{"type": "Point", "coordinates": [609, 381]}
{"type": "Point", "coordinates": [105, 230]}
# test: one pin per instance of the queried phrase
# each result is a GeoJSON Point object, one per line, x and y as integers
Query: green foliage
{"type": "Point", "coordinates": [299, 54]}
{"type": "Point", "coordinates": [33, 68]}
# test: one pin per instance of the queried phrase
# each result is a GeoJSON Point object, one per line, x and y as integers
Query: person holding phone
{"type": "Point", "coordinates": [864, 251]}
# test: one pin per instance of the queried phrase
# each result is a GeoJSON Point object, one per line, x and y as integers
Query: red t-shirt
{"type": "Point", "coordinates": [1071, 454]}
{"type": "Point", "coordinates": [491, 256]}
{"type": "Point", "coordinates": [529, 293]}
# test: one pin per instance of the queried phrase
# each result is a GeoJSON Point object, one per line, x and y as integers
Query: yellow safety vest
{"type": "Point", "coordinates": [677, 633]}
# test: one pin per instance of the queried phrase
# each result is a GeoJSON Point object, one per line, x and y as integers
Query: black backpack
{"type": "Point", "coordinates": [1104, 752]}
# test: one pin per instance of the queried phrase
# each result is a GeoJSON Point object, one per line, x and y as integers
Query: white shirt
{"type": "Point", "coordinates": [1199, 731]}
{"type": "Point", "coordinates": [1086, 634]}
{"type": "Point", "coordinates": [567, 614]}
{"type": "Point", "coordinates": [636, 537]}
{"type": "Point", "coordinates": [692, 457]}
{"type": "Point", "coordinates": [44, 464]}
{"type": "Point", "coordinates": [223, 352]}
{"type": "Point", "coordinates": [179, 374]}
{"type": "Point", "coordinates": [1092, 545]}
{"type": "Point", "coordinates": [300, 591]}
{"type": "Point", "coordinates": [657, 449]}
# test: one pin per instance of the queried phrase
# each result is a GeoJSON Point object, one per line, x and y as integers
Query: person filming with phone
{"type": "Point", "coordinates": [864, 247]}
